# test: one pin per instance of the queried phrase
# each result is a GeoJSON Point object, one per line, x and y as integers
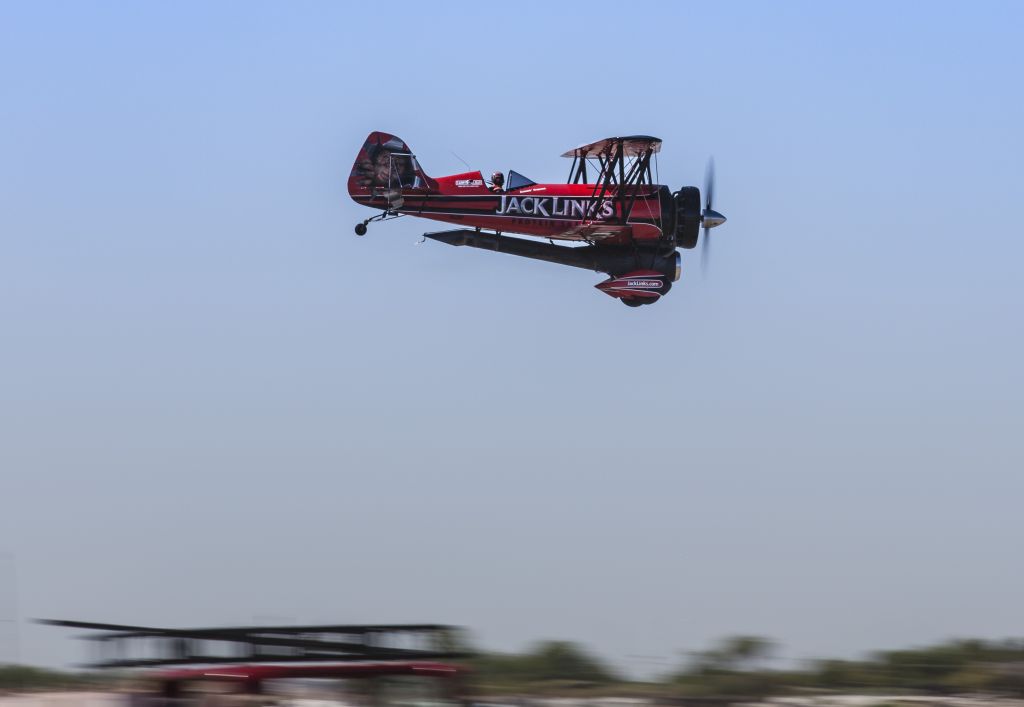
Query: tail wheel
{"type": "Point", "coordinates": [687, 217]}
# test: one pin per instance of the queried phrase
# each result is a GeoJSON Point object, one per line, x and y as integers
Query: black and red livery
{"type": "Point", "coordinates": [630, 227]}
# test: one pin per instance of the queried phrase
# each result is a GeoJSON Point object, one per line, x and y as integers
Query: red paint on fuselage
{"type": "Point", "coordinates": [386, 176]}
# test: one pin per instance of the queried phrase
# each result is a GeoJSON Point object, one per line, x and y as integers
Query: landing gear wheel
{"type": "Point", "coordinates": [360, 229]}
{"type": "Point", "coordinates": [633, 302]}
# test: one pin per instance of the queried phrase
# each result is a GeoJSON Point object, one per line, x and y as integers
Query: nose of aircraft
{"type": "Point", "coordinates": [712, 218]}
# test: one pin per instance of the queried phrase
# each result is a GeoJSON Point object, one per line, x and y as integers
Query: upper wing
{"type": "Point", "coordinates": [632, 145]}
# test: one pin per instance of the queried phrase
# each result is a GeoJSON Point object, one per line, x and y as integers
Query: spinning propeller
{"type": "Point", "coordinates": [709, 217]}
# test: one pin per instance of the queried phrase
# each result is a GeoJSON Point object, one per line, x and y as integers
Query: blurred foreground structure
{"type": "Point", "coordinates": [560, 674]}
{"type": "Point", "coordinates": [112, 699]}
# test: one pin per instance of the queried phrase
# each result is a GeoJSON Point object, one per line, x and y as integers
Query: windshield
{"type": "Point", "coordinates": [517, 181]}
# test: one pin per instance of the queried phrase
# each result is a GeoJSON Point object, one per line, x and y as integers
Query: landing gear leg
{"type": "Point", "coordinates": [383, 216]}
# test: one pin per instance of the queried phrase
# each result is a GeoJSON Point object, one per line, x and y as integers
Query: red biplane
{"type": "Point", "coordinates": [630, 225]}
{"type": "Point", "coordinates": [376, 665]}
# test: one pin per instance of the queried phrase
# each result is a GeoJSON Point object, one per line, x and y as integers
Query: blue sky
{"type": "Point", "coordinates": [217, 404]}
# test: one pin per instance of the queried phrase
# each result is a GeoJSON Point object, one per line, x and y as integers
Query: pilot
{"type": "Point", "coordinates": [497, 182]}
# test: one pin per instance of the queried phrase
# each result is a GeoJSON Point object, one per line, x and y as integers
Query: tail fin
{"type": "Point", "coordinates": [386, 163]}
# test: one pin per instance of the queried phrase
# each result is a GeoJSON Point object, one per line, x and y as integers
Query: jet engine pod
{"type": "Point", "coordinates": [638, 287]}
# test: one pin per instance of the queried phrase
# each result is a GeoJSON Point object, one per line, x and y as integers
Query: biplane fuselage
{"type": "Point", "coordinates": [559, 211]}
{"type": "Point", "coordinates": [632, 226]}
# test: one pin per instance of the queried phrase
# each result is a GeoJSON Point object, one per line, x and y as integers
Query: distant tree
{"type": "Point", "coordinates": [970, 679]}
{"type": "Point", "coordinates": [734, 667]}
{"type": "Point", "coordinates": [23, 677]}
{"type": "Point", "coordinates": [562, 660]}
{"type": "Point", "coordinates": [736, 653]}
{"type": "Point", "coordinates": [545, 662]}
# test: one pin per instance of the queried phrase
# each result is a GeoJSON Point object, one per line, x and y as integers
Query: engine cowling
{"type": "Point", "coordinates": [688, 217]}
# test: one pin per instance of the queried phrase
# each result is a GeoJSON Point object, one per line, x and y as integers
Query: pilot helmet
{"type": "Point", "coordinates": [498, 178]}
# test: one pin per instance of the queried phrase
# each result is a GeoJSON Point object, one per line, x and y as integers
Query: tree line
{"type": "Point", "coordinates": [739, 666]}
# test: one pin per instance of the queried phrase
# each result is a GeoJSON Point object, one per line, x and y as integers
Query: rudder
{"type": "Point", "coordinates": [385, 162]}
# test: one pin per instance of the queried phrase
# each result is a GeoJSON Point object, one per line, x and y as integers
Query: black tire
{"type": "Point", "coordinates": [360, 229]}
{"type": "Point", "coordinates": [687, 217]}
